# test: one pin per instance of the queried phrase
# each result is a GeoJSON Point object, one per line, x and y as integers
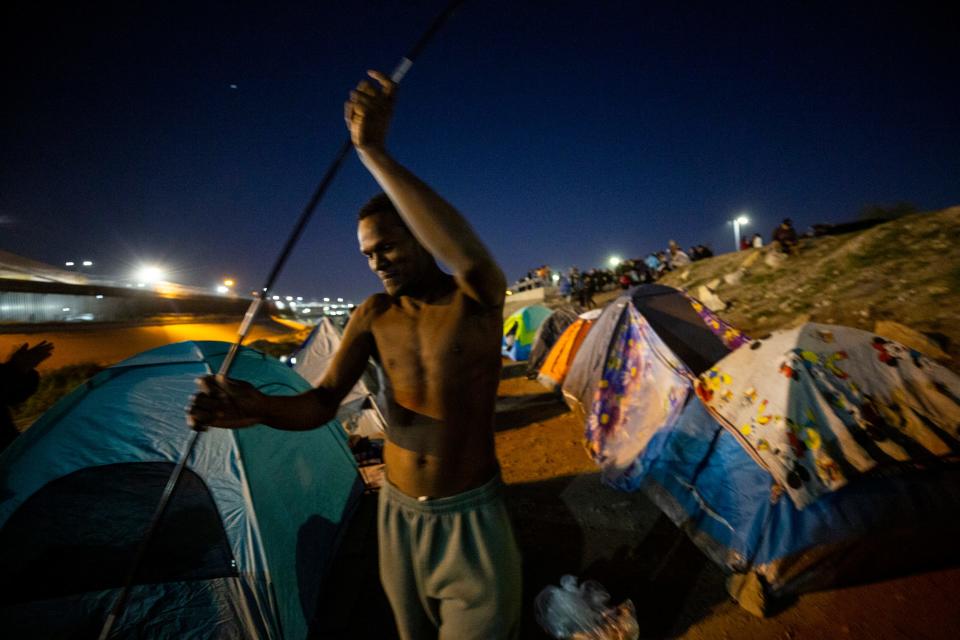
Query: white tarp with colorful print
{"type": "Point", "coordinates": [643, 388]}
{"type": "Point", "coordinates": [821, 404]}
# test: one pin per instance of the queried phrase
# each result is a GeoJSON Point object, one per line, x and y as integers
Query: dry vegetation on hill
{"type": "Point", "coordinates": [906, 270]}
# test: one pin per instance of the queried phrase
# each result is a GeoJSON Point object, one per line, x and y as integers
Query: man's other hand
{"type": "Point", "coordinates": [26, 358]}
{"type": "Point", "coordinates": [225, 403]}
{"type": "Point", "coordinates": [368, 111]}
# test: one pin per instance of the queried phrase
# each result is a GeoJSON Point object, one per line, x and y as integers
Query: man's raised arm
{"type": "Point", "coordinates": [433, 221]}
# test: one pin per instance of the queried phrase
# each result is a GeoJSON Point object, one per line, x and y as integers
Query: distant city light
{"type": "Point", "coordinates": [87, 263]}
{"type": "Point", "coordinates": [288, 298]}
{"type": "Point", "coordinates": [222, 289]}
{"type": "Point", "coordinates": [276, 297]}
{"type": "Point", "coordinates": [69, 263]}
{"type": "Point", "coordinates": [65, 309]}
{"type": "Point", "coordinates": [149, 274]}
{"type": "Point", "coordinates": [555, 277]}
{"type": "Point", "coordinates": [299, 298]}
{"type": "Point", "coordinates": [326, 299]}
{"type": "Point", "coordinates": [228, 282]}
{"type": "Point", "coordinates": [339, 299]}
{"type": "Point", "coordinates": [350, 306]}
{"type": "Point", "coordinates": [280, 305]}
{"type": "Point", "coordinates": [743, 220]}
{"type": "Point", "coordinates": [99, 296]}
{"type": "Point", "coordinates": [614, 261]}
{"type": "Point", "coordinates": [306, 310]}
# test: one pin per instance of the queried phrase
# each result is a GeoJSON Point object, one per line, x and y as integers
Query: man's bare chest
{"type": "Point", "coordinates": [428, 343]}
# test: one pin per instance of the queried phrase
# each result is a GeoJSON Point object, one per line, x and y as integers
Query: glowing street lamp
{"type": "Point", "coordinates": [614, 261]}
{"type": "Point", "coordinates": [738, 222]}
{"type": "Point", "coordinates": [149, 274]}
{"type": "Point", "coordinates": [228, 282]}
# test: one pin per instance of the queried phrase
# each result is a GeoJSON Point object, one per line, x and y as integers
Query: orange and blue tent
{"type": "Point", "coordinates": [558, 362]}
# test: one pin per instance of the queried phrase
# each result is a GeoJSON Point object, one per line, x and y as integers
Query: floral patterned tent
{"type": "Point", "coordinates": [819, 405]}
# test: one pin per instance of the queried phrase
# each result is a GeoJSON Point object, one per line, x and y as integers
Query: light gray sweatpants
{"type": "Point", "coordinates": [450, 566]}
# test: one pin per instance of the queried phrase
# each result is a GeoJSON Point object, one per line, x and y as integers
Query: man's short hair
{"type": "Point", "coordinates": [380, 204]}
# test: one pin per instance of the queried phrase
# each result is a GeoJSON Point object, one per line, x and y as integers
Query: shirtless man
{"type": "Point", "coordinates": [448, 560]}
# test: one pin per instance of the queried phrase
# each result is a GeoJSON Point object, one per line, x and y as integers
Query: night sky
{"type": "Point", "coordinates": [565, 131]}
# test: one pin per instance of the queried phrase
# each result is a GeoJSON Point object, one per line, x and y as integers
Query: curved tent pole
{"type": "Point", "coordinates": [398, 73]}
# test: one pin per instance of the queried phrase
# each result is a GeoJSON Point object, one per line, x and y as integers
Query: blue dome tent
{"type": "Point", "coordinates": [247, 539]}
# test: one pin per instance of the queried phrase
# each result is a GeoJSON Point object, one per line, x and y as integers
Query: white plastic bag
{"type": "Point", "coordinates": [572, 612]}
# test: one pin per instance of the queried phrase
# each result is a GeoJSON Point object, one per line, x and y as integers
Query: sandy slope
{"type": "Point", "coordinates": [108, 345]}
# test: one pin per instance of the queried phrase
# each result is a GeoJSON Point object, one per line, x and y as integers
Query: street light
{"type": "Point", "coordinates": [738, 222]}
{"type": "Point", "coordinates": [614, 261]}
{"type": "Point", "coordinates": [149, 274]}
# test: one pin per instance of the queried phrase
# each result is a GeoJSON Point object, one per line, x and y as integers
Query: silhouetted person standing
{"type": "Point", "coordinates": [18, 381]}
{"type": "Point", "coordinates": [786, 236]}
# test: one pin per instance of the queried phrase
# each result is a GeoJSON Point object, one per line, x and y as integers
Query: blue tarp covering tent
{"type": "Point", "coordinates": [701, 477]}
{"type": "Point", "coordinates": [244, 547]}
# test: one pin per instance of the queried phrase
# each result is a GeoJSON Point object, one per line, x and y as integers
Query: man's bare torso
{"type": "Point", "coordinates": [442, 359]}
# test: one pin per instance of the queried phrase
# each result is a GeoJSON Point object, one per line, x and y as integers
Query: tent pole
{"type": "Point", "coordinates": [397, 76]}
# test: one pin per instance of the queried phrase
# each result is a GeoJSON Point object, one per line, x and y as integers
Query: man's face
{"type": "Point", "coordinates": [392, 252]}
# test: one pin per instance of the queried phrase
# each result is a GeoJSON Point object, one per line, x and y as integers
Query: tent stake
{"type": "Point", "coordinates": [398, 73]}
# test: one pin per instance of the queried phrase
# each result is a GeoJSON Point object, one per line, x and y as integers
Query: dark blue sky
{"type": "Point", "coordinates": [565, 131]}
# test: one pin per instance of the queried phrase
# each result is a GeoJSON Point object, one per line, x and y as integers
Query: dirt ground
{"type": "Point", "coordinates": [568, 522]}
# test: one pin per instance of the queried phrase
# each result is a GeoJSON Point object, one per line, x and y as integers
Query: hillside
{"type": "Point", "coordinates": [906, 270]}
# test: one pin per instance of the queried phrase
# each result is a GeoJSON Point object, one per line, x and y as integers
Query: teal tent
{"type": "Point", "coordinates": [244, 547]}
{"type": "Point", "coordinates": [520, 329]}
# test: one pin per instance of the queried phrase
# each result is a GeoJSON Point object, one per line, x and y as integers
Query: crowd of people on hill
{"type": "Point", "coordinates": [580, 287]}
